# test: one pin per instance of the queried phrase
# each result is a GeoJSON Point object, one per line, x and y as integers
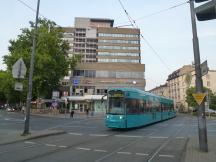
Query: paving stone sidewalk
{"type": "Point", "coordinates": [193, 154]}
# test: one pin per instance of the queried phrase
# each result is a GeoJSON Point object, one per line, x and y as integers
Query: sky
{"type": "Point", "coordinates": [169, 33]}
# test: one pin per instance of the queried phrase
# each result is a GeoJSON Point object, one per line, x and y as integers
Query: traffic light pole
{"type": "Point", "coordinates": [31, 70]}
{"type": "Point", "coordinates": [202, 130]}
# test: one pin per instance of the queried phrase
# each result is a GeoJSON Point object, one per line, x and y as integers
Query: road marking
{"type": "Point", "coordinates": [50, 145]}
{"type": "Point", "coordinates": [75, 134]}
{"type": "Point", "coordinates": [167, 156]}
{"type": "Point", "coordinates": [125, 153]}
{"type": "Point", "coordinates": [100, 150]}
{"type": "Point", "coordinates": [178, 125]}
{"type": "Point", "coordinates": [82, 148]}
{"type": "Point", "coordinates": [163, 145]}
{"type": "Point", "coordinates": [29, 142]}
{"type": "Point", "coordinates": [62, 146]}
{"type": "Point", "coordinates": [142, 154]}
{"type": "Point", "coordinates": [179, 137]}
{"type": "Point", "coordinates": [99, 135]}
{"type": "Point", "coordinates": [127, 136]}
{"type": "Point", "coordinates": [163, 125]}
{"type": "Point", "coordinates": [157, 137]}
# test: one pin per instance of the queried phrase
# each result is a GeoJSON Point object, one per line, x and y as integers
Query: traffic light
{"type": "Point", "coordinates": [206, 11]}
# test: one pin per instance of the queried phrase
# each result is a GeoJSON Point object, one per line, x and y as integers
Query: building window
{"type": "Point", "coordinates": [118, 47]}
{"type": "Point", "coordinates": [118, 54]}
{"type": "Point", "coordinates": [118, 35]}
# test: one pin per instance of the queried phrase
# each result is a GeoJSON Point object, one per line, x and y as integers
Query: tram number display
{"type": "Point", "coordinates": [116, 94]}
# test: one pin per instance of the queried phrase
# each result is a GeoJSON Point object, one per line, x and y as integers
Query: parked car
{"type": "Point", "coordinates": [10, 109]}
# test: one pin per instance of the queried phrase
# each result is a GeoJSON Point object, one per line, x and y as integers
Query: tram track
{"type": "Point", "coordinates": [119, 150]}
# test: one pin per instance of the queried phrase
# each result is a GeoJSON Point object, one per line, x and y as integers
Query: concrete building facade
{"type": "Point", "coordinates": [111, 57]}
{"type": "Point", "coordinates": [180, 80]}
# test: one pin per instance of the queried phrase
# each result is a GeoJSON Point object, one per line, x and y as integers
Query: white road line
{"type": "Point", "coordinates": [177, 125]}
{"type": "Point", "coordinates": [62, 146]}
{"type": "Point", "coordinates": [158, 137]}
{"type": "Point", "coordinates": [82, 148]}
{"type": "Point", "coordinates": [29, 142]}
{"type": "Point", "coordinates": [179, 137]}
{"type": "Point", "coordinates": [127, 136]}
{"type": "Point", "coordinates": [99, 135]}
{"type": "Point", "coordinates": [167, 156]}
{"type": "Point", "coordinates": [100, 150]}
{"type": "Point", "coordinates": [142, 154]}
{"type": "Point", "coordinates": [50, 145]}
{"type": "Point", "coordinates": [75, 134]}
{"type": "Point", "coordinates": [125, 153]}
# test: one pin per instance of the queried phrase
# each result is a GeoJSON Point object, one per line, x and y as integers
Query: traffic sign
{"type": "Point", "coordinates": [19, 69]}
{"type": "Point", "coordinates": [199, 97]}
{"type": "Point", "coordinates": [75, 82]}
{"type": "Point", "coordinates": [18, 86]}
{"type": "Point", "coordinates": [204, 68]}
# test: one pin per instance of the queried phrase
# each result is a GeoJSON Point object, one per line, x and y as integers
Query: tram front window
{"type": "Point", "coordinates": [116, 106]}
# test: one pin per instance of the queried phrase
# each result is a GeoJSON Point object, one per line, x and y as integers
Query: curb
{"type": "Point", "coordinates": [36, 136]}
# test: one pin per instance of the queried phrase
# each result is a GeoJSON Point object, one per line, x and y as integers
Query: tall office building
{"type": "Point", "coordinates": [111, 57]}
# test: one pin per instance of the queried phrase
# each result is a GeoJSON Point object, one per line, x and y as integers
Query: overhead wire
{"type": "Point", "coordinates": [154, 13]}
{"type": "Point", "coordinates": [134, 24]}
{"type": "Point", "coordinates": [34, 10]}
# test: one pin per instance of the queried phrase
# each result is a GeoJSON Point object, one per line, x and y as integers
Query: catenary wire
{"type": "Point", "coordinates": [153, 14]}
{"type": "Point", "coordinates": [134, 24]}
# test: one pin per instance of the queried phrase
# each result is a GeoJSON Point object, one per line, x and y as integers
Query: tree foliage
{"type": "Point", "coordinates": [51, 63]}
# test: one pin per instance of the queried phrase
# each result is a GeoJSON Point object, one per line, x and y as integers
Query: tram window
{"type": "Point", "coordinates": [141, 106]}
{"type": "Point", "coordinates": [116, 106]}
{"type": "Point", "coordinates": [148, 106]}
{"type": "Point", "coordinates": [132, 106]}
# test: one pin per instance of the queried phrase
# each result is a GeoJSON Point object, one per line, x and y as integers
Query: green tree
{"type": "Point", "coordinates": [189, 97]}
{"type": "Point", "coordinates": [51, 63]}
{"type": "Point", "coordinates": [213, 101]}
{"type": "Point", "coordinates": [3, 98]}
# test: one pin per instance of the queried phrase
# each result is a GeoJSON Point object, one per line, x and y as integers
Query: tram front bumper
{"type": "Point", "coordinates": [115, 121]}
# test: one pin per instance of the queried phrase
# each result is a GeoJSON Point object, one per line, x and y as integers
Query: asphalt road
{"type": "Point", "coordinates": [88, 140]}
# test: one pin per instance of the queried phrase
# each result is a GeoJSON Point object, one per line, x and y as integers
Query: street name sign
{"type": "Point", "coordinates": [199, 97]}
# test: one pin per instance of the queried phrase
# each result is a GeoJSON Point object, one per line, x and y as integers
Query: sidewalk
{"type": "Point", "coordinates": [193, 154]}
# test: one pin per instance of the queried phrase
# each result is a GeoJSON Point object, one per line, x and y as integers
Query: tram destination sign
{"type": "Point", "coordinates": [116, 94]}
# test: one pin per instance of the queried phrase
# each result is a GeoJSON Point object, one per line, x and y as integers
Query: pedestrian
{"type": "Point", "coordinates": [23, 109]}
{"type": "Point", "coordinates": [87, 112]}
{"type": "Point", "coordinates": [71, 113]}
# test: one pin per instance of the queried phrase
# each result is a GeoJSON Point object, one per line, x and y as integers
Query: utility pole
{"type": "Point", "coordinates": [29, 95]}
{"type": "Point", "coordinates": [202, 130]}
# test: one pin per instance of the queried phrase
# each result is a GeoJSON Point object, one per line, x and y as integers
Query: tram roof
{"type": "Point", "coordinates": [140, 91]}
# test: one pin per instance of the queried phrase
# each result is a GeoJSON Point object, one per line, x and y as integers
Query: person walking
{"type": "Point", "coordinates": [72, 113]}
{"type": "Point", "coordinates": [87, 112]}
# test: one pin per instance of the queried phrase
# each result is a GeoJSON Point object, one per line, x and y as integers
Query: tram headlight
{"type": "Point", "coordinates": [121, 117]}
{"type": "Point", "coordinates": [107, 116]}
